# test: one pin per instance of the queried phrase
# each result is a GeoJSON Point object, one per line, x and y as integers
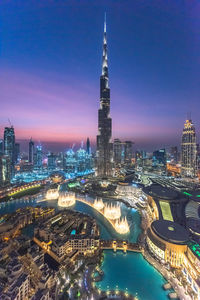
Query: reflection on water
{"type": "Point", "coordinates": [129, 270]}
{"type": "Point", "coordinates": [132, 272]}
{"type": "Point", "coordinates": [106, 230]}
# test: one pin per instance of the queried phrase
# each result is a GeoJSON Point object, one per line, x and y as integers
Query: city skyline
{"type": "Point", "coordinates": [99, 150]}
{"type": "Point", "coordinates": [42, 70]}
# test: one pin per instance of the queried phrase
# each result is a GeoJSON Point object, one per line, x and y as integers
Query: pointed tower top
{"type": "Point", "coordinates": [105, 22]}
{"type": "Point", "coordinates": [105, 57]}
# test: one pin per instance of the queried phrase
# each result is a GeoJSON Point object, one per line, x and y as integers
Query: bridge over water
{"type": "Point", "coordinates": [114, 245]}
{"type": "Point", "coordinates": [120, 245]}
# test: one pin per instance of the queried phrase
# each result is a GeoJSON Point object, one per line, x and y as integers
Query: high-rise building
{"type": "Point", "coordinates": [51, 161]}
{"type": "Point", "coordinates": [117, 150]}
{"type": "Point", "coordinates": [17, 152]}
{"type": "Point", "coordinates": [9, 145]}
{"type": "Point", "coordinates": [174, 154]}
{"type": "Point", "coordinates": [198, 156]}
{"type": "Point", "coordinates": [5, 170]}
{"type": "Point", "coordinates": [31, 151]}
{"type": "Point", "coordinates": [38, 157]}
{"type": "Point", "coordinates": [88, 148]}
{"type": "Point", "coordinates": [81, 160]}
{"type": "Point", "coordinates": [89, 162]}
{"type": "Point", "coordinates": [144, 154]}
{"type": "Point", "coordinates": [189, 150]}
{"type": "Point", "coordinates": [60, 160]}
{"type": "Point", "coordinates": [70, 162]}
{"type": "Point", "coordinates": [128, 151]}
{"type": "Point", "coordinates": [1, 147]}
{"type": "Point", "coordinates": [104, 144]}
{"type": "Point", "coordinates": [159, 158]}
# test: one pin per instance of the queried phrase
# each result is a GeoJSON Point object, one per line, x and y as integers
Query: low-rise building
{"type": "Point", "coordinates": [66, 232]}
{"type": "Point", "coordinates": [191, 268]}
{"type": "Point", "coordinates": [18, 289]}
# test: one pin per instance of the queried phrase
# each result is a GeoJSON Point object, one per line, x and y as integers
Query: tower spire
{"type": "Point", "coordinates": [105, 55]}
{"type": "Point", "coordinates": [104, 144]}
{"type": "Point", "coordinates": [105, 22]}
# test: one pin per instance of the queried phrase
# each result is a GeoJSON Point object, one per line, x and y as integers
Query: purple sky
{"type": "Point", "coordinates": [51, 60]}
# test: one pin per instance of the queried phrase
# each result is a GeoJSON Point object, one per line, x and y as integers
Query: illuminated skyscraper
{"type": "Point", "coordinates": [1, 147]}
{"type": "Point", "coordinates": [51, 160]}
{"type": "Point", "coordinates": [9, 145]}
{"type": "Point", "coordinates": [31, 151]}
{"type": "Point", "coordinates": [128, 151]}
{"type": "Point", "coordinates": [189, 150]}
{"type": "Point", "coordinates": [5, 170]}
{"type": "Point", "coordinates": [117, 149]}
{"type": "Point", "coordinates": [104, 145]}
{"type": "Point", "coordinates": [81, 160]}
{"type": "Point", "coordinates": [70, 162]}
{"type": "Point", "coordinates": [38, 157]}
{"type": "Point", "coordinates": [174, 154]}
{"type": "Point", "coordinates": [159, 159]}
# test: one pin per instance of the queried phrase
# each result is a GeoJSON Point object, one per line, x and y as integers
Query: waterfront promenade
{"type": "Point", "coordinates": [105, 234]}
{"type": "Point", "coordinates": [104, 245]}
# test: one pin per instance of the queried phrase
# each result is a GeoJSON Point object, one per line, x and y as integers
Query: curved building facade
{"type": "Point", "coordinates": [168, 241]}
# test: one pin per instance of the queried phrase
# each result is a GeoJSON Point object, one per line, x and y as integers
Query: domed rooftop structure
{"type": "Point", "coordinates": [170, 231]}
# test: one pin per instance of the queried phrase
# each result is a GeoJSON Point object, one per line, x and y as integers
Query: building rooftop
{"type": "Point", "coordinates": [164, 193]}
{"type": "Point", "coordinates": [170, 231]}
{"type": "Point", "coordinates": [66, 225]}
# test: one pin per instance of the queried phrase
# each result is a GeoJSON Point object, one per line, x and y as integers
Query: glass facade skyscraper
{"type": "Point", "coordinates": [5, 170]}
{"type": "Point", "coordinates": [104, 144]}
{"type": "Point", "coordinates": [1, 147]}
{"type": "Point", "coordinates": [117, 150]}
{"type": "Point", "coordinates": [128, 151]}
{"type": "Point", "coordinates": [51, 160]}
{"type": "Point", "coordinates": [189, 150]}
{"type": "Point", "coordinates": [88, 148]}
{"type": "Point", "coordinates": [31, 151]}
{"type": "Point", "coordinates": [38, 157]}
{"type": "Point", "coordinates": [9, 145]}
{"type": "Point", "coordinates": [159, 159]}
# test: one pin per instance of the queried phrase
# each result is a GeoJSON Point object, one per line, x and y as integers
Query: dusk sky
{"type": "Point", "coordinates": [50, 63]}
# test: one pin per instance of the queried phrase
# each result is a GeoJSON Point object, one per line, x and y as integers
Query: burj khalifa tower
{"type": "Point", "coordinates": [104, 144]}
